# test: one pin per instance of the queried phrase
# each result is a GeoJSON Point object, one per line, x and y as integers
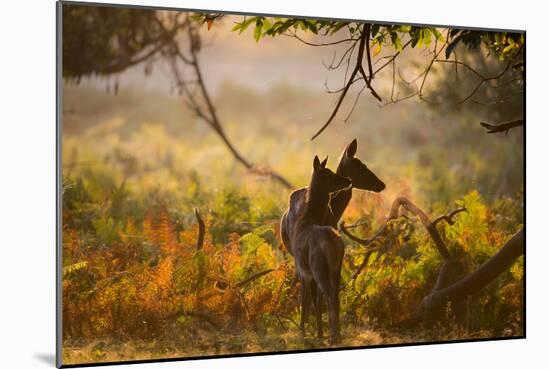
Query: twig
{"type": "Point", "coordinates": [361, 267]}
{"type": "Point", "coordinates": [448, 217]}
{"type": "Point", "coordinates": [482, 79]}
{"type": "Point", "coordinates": [289, 319]}
{"type": "Point", "coordinates": [295, 35]}
{"type": "Point", "coordinates": [253, 277]}
{"type": "Point", "coordinates": [354, 225]}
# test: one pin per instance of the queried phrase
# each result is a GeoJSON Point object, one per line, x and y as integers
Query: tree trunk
{"type": "Point", "coordinates": [477, 280]}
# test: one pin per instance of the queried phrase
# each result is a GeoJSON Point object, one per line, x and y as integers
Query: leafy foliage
{"type": "Point", "coordinates": [505, 45]}
{"type": "Point", "coordinates": [106, 40]}
{"type": "Point", "coordinates": [138, 273]}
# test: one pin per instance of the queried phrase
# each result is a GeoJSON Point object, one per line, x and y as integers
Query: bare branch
{"type": "Point", "coordinates": [295, 35]}
{"type": "Point", "coordinates": [206, 109]}
{"type": "Point", "coordinates": [391, 59]}
{"type": "Point", "coordinates": [337, 107]}
{"type": "Point", "coordinates": [254, 277]}
{"type": "Point", "coordinates": [355, 103]}
{"type": "Point", "coordinates": [502, 127]}
{"type": "Point", "coordinates": [448, 217]}
{"type": "Point", "coordinates": [482, 79]}
{"type": "Point", "coordinates": [200, 238]}
{"type": "Point", "coordinates": [427, 71]}
{"type": "Point", "coordinates": [394, 213]}
{"type": "Point", "coordinates": [477, 280]}
{"type": "Point", "coordinates": [357, 69]}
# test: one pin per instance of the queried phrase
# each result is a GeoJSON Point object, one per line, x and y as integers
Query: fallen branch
{"type": "Point", "coordinates": [477, 280]}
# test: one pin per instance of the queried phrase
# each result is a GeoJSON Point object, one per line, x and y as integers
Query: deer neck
{"type": "Point", "coordinates": [316, 205]}
{"type": "Point", "coordinates": [339, 200]}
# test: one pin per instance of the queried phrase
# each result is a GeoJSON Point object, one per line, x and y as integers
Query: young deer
{"type": "Point", "coordinates": [351, 167]}
{"type": "Point", "coordinates": [318, 249]}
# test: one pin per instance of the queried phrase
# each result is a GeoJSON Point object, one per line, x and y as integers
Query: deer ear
{"type": "Point", "coordinates": [316, 163]}
{"type": "Point", "coordinates": [324, 162]}
{"type": "Point", "coordinates": [351, 149]}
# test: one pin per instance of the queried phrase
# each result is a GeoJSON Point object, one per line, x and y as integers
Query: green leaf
{"type": "Point", "coordinates": [198, 17]}
{"type": "Point", "coordinates": [267, 25]}
{"type": "Point", "coordinates": [236, 27]}
{"type": "Point", "coordinates": [311, 25]}
{"type": "Point", "coordinates": [258, 30]}
{"type": "Point", "coordinates": [396, 41]}
{"type": "Point", "coordinates": [374, 29]}
{"type": "Point", "coordinates": [398, 44]}
{"type": "Point", "coordinates": [414, 41]}
{"type": "Point", "coordinates": [438, 35]}
{"type": "Point", "coordinates": [451, 47]}
{"type": "Point", "coordinates": [427, 37]}
{"type": "Point", "coordinates": [405, 29]}
{"type": "Point", "coordinates": [247, 22]}
{"type": "Point", "coordinates": [337, 27]}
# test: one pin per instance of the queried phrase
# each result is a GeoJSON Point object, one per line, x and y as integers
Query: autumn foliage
{"type": "Point", "coordinates": [133, 269]}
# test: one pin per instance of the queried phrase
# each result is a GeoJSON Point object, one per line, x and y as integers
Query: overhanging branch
{"type": "Point", "coordinates": [358, 69]}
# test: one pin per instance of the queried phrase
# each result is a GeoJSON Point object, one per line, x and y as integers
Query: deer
{"type": "Point", "coordinates": [361, 177]}
{"type": "Point", "coordinates": [319, 250]}
{"type": "Point", "coordinates": [349, 166]}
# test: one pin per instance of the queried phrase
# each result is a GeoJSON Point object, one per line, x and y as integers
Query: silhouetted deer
{"type": "Point", "coordinates": [361, 178]}
{"type": "Point", "coordinates": [351, 167]}
{"type": "Point", "coordinates": [318, 250]}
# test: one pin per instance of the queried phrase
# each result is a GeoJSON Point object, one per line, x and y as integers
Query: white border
{"type": "Point", "coordinates": [27, 151]}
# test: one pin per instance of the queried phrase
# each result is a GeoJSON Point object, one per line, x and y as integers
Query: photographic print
{"type": "Point", "coordinates": [240, 184]}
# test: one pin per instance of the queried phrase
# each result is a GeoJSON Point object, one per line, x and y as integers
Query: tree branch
{"type": "Point", "coordinates": [363, 44]}
{"type": "Point", "coordinates": [208, 113]}
{"type": "Point", "coordinates": [474, 282]}
{"type": "Point", "coordinates": [502, 127]}
{"type": "Point", "coordinates": [431, 227]}
{"type": "Point", "coordinates": [482, 79]}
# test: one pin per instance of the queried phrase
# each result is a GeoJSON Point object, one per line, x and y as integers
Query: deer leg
{"type": "Point", "coordinates": [317, 305]}
{"type": "Point", "coordinates": [334, 311]}
{"type": "Point", "coordinates": [306, 301]}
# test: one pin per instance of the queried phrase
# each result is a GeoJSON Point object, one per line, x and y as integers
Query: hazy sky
{"type": "Point", "coordinates": [228, 55]}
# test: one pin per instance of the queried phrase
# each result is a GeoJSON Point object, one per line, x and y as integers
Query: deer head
{"type": "Point", "coordinates": [354, 169]}
{"type": "Point", "coordinates": [325, 180]}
